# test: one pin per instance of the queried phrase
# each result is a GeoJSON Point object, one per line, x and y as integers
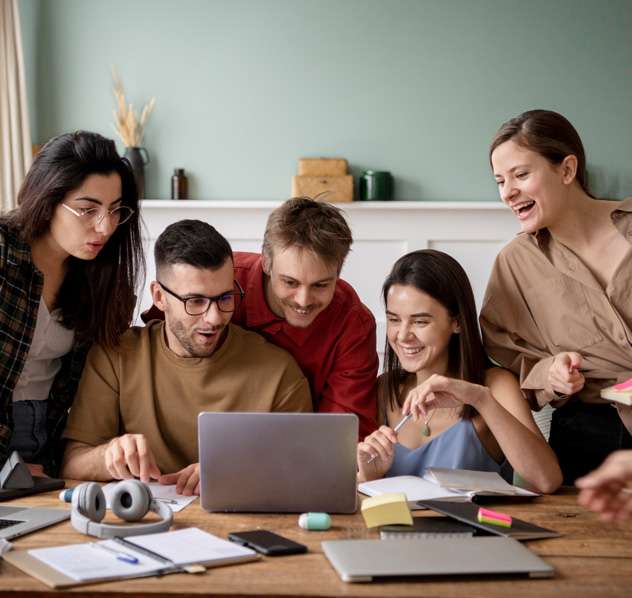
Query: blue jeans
{"type": "Point", "coordinates": [30, 432]}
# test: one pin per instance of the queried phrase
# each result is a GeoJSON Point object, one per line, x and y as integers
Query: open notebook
{"type": "Point", "coordinates": [75, 564]}
{"type": "Point", "coordinates": [444, 484]}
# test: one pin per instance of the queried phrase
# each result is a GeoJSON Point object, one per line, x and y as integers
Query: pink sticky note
{"type": "Point", "coordinates": [493, 517]}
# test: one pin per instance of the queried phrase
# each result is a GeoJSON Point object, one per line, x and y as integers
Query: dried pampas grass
{"type": "Point", "coordinates": [127, 126]}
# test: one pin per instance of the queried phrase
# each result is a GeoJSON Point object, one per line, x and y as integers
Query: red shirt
{"type": "Point", "coordinates": [336, 351]}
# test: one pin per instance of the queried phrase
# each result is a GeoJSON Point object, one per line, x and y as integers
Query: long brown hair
{"type": "Point", "coordinates": [549, 134]}
{"type": "Point", "coordinates": [97, 297]}
{"type": "Point", "coordinates": [442, 278]}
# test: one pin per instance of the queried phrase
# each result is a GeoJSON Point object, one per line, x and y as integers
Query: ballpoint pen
{"type": "Point", "coordinates": [121, 556]}
{"type": "Point", "coordinates": [396, 429]}
{"type": "Point", "coordinates": [169, 501]}
{"type": "Point", "coordinates": [170, 566]}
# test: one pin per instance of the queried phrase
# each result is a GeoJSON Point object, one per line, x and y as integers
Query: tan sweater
{"type": "Point", "coordinates": [142, 387]}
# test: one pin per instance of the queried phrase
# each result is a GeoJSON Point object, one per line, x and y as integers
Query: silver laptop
{"type": "Point", "coordinates": [17, 520]}
{"type": "Point", "coordinates": [363, 560]}
{"type": "Point", "coordinates": [278, 462]}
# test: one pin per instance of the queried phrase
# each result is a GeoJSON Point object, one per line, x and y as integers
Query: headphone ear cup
{"type": "Point", "coordinates": [131, 500]}
{"type": "Point", "coordinates": [89, 500]}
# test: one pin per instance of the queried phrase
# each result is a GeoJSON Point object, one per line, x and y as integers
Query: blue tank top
{"type": "Point", "coordinates": [458, 447]}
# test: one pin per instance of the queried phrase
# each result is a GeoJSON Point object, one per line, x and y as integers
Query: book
{"type": "Point", "coordinates": [619, 393]}
{"type": "Point", "coordinates": [456, 485]}
{"type": "Point", "coordinates": [467, 513]}
{"type": "Point", "coordinates": [91, 562]}
{"type": "Point", "coordinates": [474, 483]}
{"type": "Point", "coordinates": [427, 527]}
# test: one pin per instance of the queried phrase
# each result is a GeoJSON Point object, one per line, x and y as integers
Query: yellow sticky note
{"type": "Point", "coordinates": [386, 509]}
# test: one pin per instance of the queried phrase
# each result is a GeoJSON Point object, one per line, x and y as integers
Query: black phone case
{"type": "Point", "coordinates": [267, 542]}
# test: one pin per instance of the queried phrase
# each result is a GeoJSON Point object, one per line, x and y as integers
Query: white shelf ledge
{"type": "Point", "coordinates": [347, 206]}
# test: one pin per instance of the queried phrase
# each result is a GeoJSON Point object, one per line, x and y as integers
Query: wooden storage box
{"type": "Point", "coordinates": [323, 188]}
{"type": "Point", "coordinates": [322, 167]}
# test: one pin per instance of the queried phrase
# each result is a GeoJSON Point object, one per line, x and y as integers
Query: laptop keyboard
{"type": "Point", "coordinates": [4, 523]}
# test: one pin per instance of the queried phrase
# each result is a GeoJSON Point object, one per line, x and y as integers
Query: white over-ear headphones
{"type": "Point", "coordinates": [130, 501]}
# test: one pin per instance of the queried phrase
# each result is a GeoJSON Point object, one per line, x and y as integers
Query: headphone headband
{"type": "Point", "coordinates": [88, 508]}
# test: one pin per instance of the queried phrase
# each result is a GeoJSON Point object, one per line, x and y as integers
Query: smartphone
{"type": "Point", "coordinates": [267, 542]}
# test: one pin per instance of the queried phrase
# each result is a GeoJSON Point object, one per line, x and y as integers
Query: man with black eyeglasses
{"type": "Point", "coordinates": [135, 413]}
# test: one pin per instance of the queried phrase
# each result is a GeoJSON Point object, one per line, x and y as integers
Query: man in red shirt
{"type": "Point", "coordinates": [296, 300]}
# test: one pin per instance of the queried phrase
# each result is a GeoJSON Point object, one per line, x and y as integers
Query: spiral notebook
{"type": "Point", "coordinates": [427, 527]}
{"type": "Point", "coordinates": [92, 562]}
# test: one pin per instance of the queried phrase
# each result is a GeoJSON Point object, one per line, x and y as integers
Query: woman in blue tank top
{"type": "Point", "coordinates": [465, 414]}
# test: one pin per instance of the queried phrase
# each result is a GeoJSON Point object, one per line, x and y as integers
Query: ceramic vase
{"type": "Point", "coordinates": [138, 159]}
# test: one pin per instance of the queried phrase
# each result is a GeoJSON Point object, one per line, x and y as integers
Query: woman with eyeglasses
{"type": "Point", "coordinates": [71, 258]}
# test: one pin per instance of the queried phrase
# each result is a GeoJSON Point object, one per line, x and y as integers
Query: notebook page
{"type": "Point", "coordinates": [474, 481]}
{"type": "Point", "coordinates": [192, 545]}
{"type": "Point", "coordinates": [415, 488]}
{"type": "Point", "coordinates": [87, 562]}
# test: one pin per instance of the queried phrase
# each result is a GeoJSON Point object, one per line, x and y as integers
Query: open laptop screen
{"type": "Point", "coordinates": [278, 462]}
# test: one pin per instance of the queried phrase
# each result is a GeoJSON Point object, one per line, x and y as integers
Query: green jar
{"type": "Point", "coordinates": [376, 185]}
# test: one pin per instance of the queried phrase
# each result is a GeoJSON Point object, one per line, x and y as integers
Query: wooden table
{"type": "Point", "coordinates": [591, 559]}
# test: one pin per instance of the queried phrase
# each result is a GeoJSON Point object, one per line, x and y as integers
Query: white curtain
{"type": "Point", "coordinates": [15, 136]}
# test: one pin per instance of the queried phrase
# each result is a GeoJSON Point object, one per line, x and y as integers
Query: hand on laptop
{"type": "Point", "coordinates": [187, 480]}
{"type": "Point", "coordinates": [379, 447]}
{"type": "Point", "coordinates": [129, 456]}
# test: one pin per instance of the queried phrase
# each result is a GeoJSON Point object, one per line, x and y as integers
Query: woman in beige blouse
{"type": "Point", "coordinates": [558, 307]}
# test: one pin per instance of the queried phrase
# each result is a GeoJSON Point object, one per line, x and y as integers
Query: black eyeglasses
{"type": "Point", "coordinates": [199, 304]}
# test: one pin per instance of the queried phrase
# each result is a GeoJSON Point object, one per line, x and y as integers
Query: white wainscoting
{"type": "Point", "coordinates": [472, 232]}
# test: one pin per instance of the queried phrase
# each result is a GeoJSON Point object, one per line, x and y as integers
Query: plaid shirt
{"type": "Point", "coordinates": [20, 293]}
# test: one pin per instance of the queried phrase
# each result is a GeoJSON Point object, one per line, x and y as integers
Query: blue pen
{"type": "Point", "coordinates": [121, 556]}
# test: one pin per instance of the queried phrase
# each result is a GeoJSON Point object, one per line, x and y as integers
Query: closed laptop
{"type": "Point", "coordinates": [278, 462]}
{"type": "Point", "coordinates": [364, 560]}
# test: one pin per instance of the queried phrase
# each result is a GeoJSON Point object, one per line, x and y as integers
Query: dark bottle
{"type": "Point", "coordinates": [179, 184]}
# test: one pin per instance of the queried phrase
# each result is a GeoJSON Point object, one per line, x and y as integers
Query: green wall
{"type": "Point", "coordinates": [245, 87]}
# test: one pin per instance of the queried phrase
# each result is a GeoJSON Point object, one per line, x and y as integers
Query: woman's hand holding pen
{"type": "Point", "coordinates": [375, 455]}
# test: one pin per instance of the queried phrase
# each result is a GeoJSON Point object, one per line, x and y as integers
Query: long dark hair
{"type": "Point", "coordinates": [442, 277]}
{"type": "Point", "coordinates": [97, 297]}
{"type": "Point", "coordinates": [546, 133]}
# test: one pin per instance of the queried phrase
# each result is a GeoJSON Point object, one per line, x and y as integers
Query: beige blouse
{"type": "Point", "coordinates": [542, 300]}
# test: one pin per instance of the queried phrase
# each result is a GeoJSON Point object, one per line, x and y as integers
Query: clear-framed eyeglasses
{"type": "Point", "coordinates": [94, 216]}
{"type": "Point", "coordinates": [196, 305]}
